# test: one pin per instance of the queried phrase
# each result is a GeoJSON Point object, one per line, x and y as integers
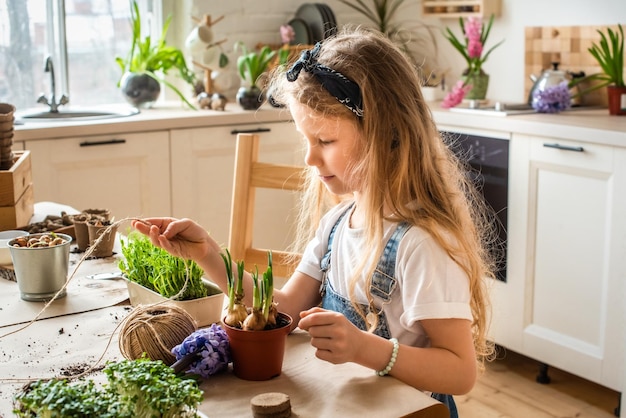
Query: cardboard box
{"type": "Point", "coordinates": [17, 200]}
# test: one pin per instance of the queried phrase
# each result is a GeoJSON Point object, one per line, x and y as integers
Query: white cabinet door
{"type": "Point", "coordinates": [126, 173]}
{"type": "Point", "coordinates": [570, 272]}
{"type": "Point", "coordinates": [202, 179]}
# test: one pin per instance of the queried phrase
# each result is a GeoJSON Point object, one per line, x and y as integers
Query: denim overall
{"type": "Point", "coordinates": [383, 284]}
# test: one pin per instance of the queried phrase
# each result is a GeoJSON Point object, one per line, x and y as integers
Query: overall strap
{"type": "Point", "coordinates": [325, 261]}
{"type": "Point", "coordinates": [383, 280]}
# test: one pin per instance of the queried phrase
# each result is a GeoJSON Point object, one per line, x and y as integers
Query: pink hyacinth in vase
{"type": "Point", "coordinates": [456, 95]}
{"type": "Point", "coordinates": [287, 34]}
{"type": "Point", "coordinates": [472, 47]}
{"type": "Point", "coordinates": [473, 28]}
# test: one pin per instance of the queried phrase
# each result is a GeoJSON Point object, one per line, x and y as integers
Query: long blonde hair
{"type": "Point", "coordinates": [405, 165]}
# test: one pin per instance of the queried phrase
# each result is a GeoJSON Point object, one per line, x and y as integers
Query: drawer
{"type": "Point", "coordinates": [572, 153]}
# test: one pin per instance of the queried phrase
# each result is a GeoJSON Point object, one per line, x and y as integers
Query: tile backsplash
{"type": "Point", "coordinates": [567, 45]}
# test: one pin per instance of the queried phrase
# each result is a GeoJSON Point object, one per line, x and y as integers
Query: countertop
{"type": "Point", "coordinates": [593, 125]}
{"type": "Point", "coordinates": [162, 117]}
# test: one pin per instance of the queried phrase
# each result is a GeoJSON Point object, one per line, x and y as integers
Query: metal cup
{"type": "Point", "coordinates": [41, 272]}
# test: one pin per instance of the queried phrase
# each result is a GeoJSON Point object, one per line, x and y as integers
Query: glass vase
{"type": "Point", "coordinates": [479, 82]}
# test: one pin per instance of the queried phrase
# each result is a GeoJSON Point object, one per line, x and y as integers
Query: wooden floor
{"type": "Point", "coordinates": [508, 389]}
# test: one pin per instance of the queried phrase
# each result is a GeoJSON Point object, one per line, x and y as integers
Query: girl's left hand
{"type": "Point", "coordinates": [332, 334]}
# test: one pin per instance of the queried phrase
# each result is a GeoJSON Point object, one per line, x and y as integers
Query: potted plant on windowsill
{"type": "Point", "coordinates": [256, 335]}
{"type": "Point", "coordinates": [147, 64]}
{"type": "Point", "coordinates": [609, 53]}
{"type": "Point", "coordinates": [153, 275]}
{"type": "Point", "coordinates": [251, 65]}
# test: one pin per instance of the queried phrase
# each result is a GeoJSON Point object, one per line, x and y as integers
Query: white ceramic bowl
{"type": "Point", "coordinates": [5, 237]}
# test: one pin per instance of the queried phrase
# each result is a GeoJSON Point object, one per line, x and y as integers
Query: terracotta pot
{"type": "Point", "coordinates": [258, 355]}
{"type": "Point", "coordinates": [617, 100]}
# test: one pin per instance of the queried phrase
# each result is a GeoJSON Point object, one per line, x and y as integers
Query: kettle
{"type": "Point", "coordinates": [548, 78]}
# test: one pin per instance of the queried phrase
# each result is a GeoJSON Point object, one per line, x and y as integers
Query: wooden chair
{"type": "Point", "coordinates": [251, 174]}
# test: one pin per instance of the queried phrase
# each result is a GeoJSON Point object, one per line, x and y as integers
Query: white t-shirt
{"type": "Point", "coordinates": [430, 285]}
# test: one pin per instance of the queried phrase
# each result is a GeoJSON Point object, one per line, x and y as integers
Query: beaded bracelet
{"type": "Point", "coordinates": [392, 360]}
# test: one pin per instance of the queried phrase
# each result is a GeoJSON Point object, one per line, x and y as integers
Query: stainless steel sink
{"type": "Point", "coordinates": [75, 114]}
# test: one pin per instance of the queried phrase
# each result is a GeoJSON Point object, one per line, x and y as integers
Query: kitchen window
{"type": "Point", "coordinates": [83, 37]}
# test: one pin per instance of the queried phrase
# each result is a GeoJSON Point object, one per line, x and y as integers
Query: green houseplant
{"type": "Point", "coordinates": [609, 53]}
{"type": "Point", "coordinates": [472, 47]}
{"type": "Point", "coordinates": [154, 275]}
{"type": "Point", "coordinates": [148, 62]}
{"type": "Point", "coordinates": [124, 394]}
{"type": "Point", "coordinates": [250, 65]}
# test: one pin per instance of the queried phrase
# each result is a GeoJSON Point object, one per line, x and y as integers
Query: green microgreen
{"type": "Point", "coordinates": [154, 268]}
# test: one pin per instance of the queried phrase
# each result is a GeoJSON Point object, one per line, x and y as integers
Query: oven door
{"type": "Point", "coordinates": [489, 169]}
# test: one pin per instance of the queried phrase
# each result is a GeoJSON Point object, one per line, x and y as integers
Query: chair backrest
{"type": "Point", "coordinates": [251, 174]}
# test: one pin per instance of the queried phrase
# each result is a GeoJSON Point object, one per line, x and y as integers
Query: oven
{"type": "Point", "coordinates": [488, 158]}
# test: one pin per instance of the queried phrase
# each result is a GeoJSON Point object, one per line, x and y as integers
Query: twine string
{"type": "Point", "coordinates": [129, 327]}
{"type": "Point", "coordinates": [155, 330]}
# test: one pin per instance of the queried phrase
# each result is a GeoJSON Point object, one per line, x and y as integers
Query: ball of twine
{"type": "Point", "coordinates": [155, 330]}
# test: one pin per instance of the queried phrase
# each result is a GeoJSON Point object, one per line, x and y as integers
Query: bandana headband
{"type": "Point", "coordinates": [341, 87]}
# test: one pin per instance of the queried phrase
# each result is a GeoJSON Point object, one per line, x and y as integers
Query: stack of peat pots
{"type": "Point", "coordinates": [7, 119]}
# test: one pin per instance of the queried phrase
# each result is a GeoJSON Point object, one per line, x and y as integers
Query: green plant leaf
{"type": "Point", "coordinates": [609, 53]}
{"type": "Point", "coordinates": [155, 58]}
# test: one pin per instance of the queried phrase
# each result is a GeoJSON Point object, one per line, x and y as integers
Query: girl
{"type": "Point", "coordinates": [393, 276]}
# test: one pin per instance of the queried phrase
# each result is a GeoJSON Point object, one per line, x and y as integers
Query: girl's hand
{"type": "Point", "coordinates": [180, 237]}
{"type": "Point", "coordinates": [332, 334]}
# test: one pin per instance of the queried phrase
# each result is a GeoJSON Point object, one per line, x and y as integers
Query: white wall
{"type": "Point", "coordinates": [506, 63]}
{"type": "Point", "coordinates": [258, 21]}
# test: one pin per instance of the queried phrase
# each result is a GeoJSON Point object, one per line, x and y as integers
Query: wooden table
{"type": "Point", "coordinates": [317, 388]}
{"type": "Point", "coordinates": [82, 331]}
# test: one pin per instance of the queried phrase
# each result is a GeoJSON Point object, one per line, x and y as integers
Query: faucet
{"type": "Point", "coordinates": [54, 106]}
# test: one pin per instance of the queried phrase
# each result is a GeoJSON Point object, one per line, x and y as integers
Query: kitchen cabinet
{"type": "Point", "coordinates": [126, 173]}
{"type": "Point", "coordinates": [202, 176]}
{"type": "Point", "coordinates": [461, 8]}
{"type": "Point", "coordinates": [562, 303]}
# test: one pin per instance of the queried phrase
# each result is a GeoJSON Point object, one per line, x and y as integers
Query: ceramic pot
{"type": "Point", "coordinates": [140, 90]}
{"type": "Point", "coordinates": [205, 311]}
{"type": "Point", "coordinates": [480, 83]}
{"type": "Point", "coordinates": [258, 355]}
{"type": "Point", "coordinates": [250, 98]}
{"type": "Point", "coordinates": [617, 100]}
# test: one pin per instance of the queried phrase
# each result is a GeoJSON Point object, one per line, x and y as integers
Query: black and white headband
{"type": "Point", "coordinates": [341, 87]}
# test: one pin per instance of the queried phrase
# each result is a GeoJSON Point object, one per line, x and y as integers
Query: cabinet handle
{"type": "Point", "coordinates": [108, 142]}
{"type": "Point", "coordinates": [249, 131]}
{"type": "Point", "coordinates": [564, 147]}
